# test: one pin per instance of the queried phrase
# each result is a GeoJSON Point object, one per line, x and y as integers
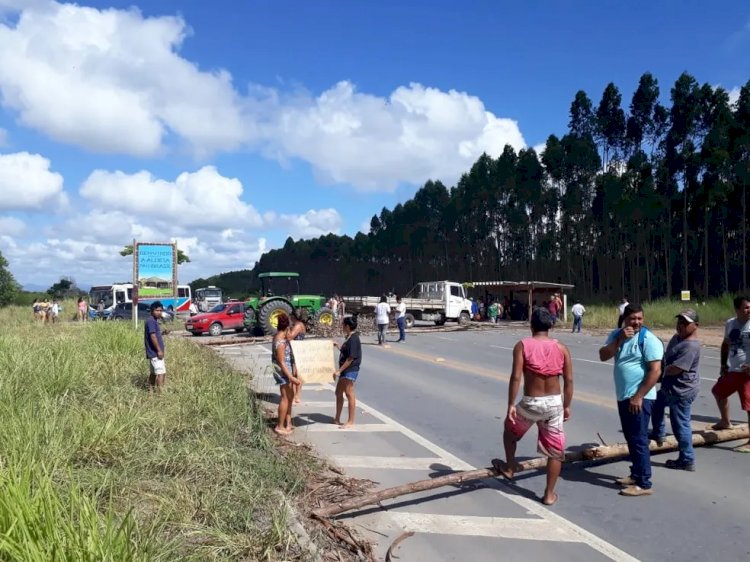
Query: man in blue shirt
{"type": "Point", "coordinates": [638, 354]}
{"type": "Point", "coordinates": [154, 345]}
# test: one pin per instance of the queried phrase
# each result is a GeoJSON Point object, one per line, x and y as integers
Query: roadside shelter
{"type": "Point", "coordinates": [524, 291]}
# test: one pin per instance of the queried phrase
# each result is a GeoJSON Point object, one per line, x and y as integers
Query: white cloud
{"type": "Point", "coordinates": [26, 182]}
{"type": "Point", "coordinates": [734, 95]}
{"type": "Point", "coordinates": [11, 226]}
{"type": "Point", "coordinates": [313, 223]}
{"type": "Point", "coordinates": [375, 143]}
{"type": "Point", "coordinates": [111, 80]}
{"type": "Point", "coordinates": [540, 148]}
{"type": "Point", "coordinates": [202, 199]}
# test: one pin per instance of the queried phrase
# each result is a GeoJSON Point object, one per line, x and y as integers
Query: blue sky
{"type": "Point", "coordinates": [228, 126]}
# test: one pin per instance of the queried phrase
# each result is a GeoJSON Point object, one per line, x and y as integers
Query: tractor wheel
{"type": "Point", "coordinates": [215, 329]}
{"type": "Point", "coordinates": [324, 317]}
{"type": "Point", "coordinates": [269, 315]}
{"type": "Point", "coordinates": [409, 320]}
{"type": "Point", "coordinates": [248, 321]}
{"type": "Point", "coordinates": [464, 319]}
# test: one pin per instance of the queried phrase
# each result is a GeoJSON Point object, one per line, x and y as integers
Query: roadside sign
{"type": "Point", "coordinates": [685, 295]}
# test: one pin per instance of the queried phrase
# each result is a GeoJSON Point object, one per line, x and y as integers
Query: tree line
{"type": "Point", "coordinates": [642, 201]}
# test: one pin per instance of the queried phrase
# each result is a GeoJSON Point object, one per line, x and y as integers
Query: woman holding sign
{"type": "Point", "coordinates": [350, 359]}
{"type": "Point", "coordinates": [284, 374]}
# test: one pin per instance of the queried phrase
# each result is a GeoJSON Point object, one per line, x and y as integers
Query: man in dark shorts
{"type": "Point", "coordinates": [734, 375]}
{"type": "Point", "coordinates": [154, 344]}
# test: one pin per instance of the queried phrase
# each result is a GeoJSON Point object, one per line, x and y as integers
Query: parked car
{"type": "Point", "coordinates": [124, 311]}
{"type": "Point", "coordinates": [225, 316]}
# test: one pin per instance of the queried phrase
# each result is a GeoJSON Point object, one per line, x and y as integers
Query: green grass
{"type": "Point", "coordinates": [93, 468]}
{"type": "Point", "coordinates": [660, 313]}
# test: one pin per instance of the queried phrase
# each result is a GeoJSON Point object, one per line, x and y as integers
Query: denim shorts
{"type": "Point", "coordinates": [279, 377]}
{"type": "Point", "coordinates": [350, 375]}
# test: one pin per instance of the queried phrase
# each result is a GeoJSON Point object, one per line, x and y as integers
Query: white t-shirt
{"type": "Point", "coordinates": [401, 309]}
{"type": "Point", "coordinates": [739, 343]}
{"type": "Point", "coordinates": [621, 308]}
{"type": "Point", "coordinates": [382, 311]}
{"type": "Point", "coordinates": [578, 309]}
{"type": "Point", "coordinates": [55, 309]}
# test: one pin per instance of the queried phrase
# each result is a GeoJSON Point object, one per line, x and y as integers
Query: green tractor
{"type": "Point", "coordinates": [279, 293]}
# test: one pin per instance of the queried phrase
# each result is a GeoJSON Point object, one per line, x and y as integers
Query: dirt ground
{"type": "Point", "coordinates": [710, 336]}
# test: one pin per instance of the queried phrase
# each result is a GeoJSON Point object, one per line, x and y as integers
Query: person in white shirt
{"type": "Point", "coordinates": [382, 313]}
{"type": "Point", "coordinates": [401, 319]}
{"type": "Point", "coordinates": [193, 309]}
{"type": "Point", "coordinates": [54, 311]}
{"type": "Point", "coordinates": [578, 311]}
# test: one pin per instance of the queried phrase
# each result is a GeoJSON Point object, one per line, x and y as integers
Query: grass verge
{"type": "Point", "coordinates": [93, 468]}
{"type": "Point", "coordinates": [660, 313]}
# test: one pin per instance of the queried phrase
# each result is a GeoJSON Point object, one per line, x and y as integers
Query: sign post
{"type": "Point", "coordinates": [154, 272]}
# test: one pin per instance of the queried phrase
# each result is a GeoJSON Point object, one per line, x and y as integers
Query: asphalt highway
{"type": "Point", "coordinates": [451, 388]}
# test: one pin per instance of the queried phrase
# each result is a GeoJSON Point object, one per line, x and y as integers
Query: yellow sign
{"type": "Point", "coordinates": [685, 295]}
{"type": "Point", "coordinates": [315, 360]}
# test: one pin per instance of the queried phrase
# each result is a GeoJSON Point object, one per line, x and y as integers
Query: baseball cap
{"type": "Point", "coordinates": [689, 315]}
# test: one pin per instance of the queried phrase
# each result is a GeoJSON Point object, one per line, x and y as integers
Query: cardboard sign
{"type": "Point", "coordinates": [685, 295]}
{"type": "Point", "coordinates": [314, 359]}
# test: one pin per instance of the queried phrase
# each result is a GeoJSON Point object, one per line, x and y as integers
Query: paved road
{"type": "Point", "coordinates": [437, 402]}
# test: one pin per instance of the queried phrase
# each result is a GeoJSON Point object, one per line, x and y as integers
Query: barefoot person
{"type": "Point", "coordinates": [540, 361]}
{"type": "Point", "coordinates": [350, 360]}
{"type": "Point", "coordinates": [735, 366]}
{"type": "Point", "coordinates": [297, 332]}
{"type": "Point", "coordinates": [154, 344]}
{"type": "Point", "coordinates": [283, 374]}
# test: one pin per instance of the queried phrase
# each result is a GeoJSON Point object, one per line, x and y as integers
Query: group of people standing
{"type": "Point", "coordinates": [640, 364]}
{"type": "Point", "coordinates": [46, 311]}
{"type": "Point", "coordinates": [286, 375]}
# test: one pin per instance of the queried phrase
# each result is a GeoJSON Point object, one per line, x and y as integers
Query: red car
{"type": "Point", "coordinates": [225, 316]}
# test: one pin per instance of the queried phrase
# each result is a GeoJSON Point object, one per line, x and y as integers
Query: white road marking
{"type": "Point", "coordinates": [446, 338]}
{"type": "Point", "coordinates": [401, 463]}
{"type": "Point", "coordinates": [495, 527]}
{"type": "Point", "coordinates": [357, 427]}
{"type": "Point", "coordinates": [314, 404]}
{"type": "Point", "coordinates": [534, 507]}
{"type": "Point", "coordinates": [501, 347]}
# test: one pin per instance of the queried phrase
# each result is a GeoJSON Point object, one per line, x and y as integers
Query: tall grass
{"type": "Point", "coordinates": [94, 468]}
{"type": "Point", "coordinates": [661, 313]}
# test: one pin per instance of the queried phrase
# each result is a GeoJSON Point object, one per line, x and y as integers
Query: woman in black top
{"type": "Point", "coordinates": [350, 359]}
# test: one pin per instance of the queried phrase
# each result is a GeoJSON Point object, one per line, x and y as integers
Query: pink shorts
{"type": "Point", "coordinates": [734, 381]}
{"type": "Point", "coordinates": [547, 413]}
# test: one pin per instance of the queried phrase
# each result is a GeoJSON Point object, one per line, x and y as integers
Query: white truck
{"type": "Point", "coordinates": [436, 301]}
{"type": "Point", "coordinates": [207, 297]}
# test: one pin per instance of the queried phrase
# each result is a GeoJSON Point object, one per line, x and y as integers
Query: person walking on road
{"type": "Point", "coordinates": [382, 315]}
{"type": "Point", "coordinates": [578, 311]}
{"type": "Point", "coordinates": [539, 361]}
{"type": "Point", "coordinates": [679, 388]}
{"type": "Point", "coordinates": [734, 375]}
{"type": "Point", "coordinates": [638, 354]}
{"type": "Point", "coordinates": [154, 345]}
{"type": "Point", "coordinates": [350, 360]}
{"type": "Point", "coordinates": [283, 374]}
{"type": "Point", "coordinates": [401, 319]}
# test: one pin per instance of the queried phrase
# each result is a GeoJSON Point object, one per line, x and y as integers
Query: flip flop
{"type": "Point", "coordinates": [553, 502]}
{"type": "Point", "coordinates": [715, 427]}
{"type": "Point", "coordinates": [501, 467]}
{"type": "Point", "coordinates": [742, 449]}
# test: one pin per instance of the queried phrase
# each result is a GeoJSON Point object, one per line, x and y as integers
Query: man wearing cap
{"type": "Point", "coordinates": [679, 388]}
{"type": "Point", "coordinates": [735, 366]}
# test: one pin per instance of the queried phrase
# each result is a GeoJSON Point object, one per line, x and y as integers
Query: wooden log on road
{"type": "Point", "coordinates": [700, 439]}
